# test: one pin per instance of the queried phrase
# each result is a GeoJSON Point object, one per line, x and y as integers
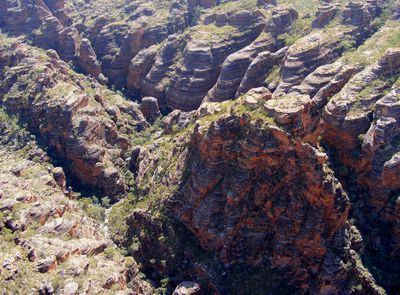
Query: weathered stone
{"type": "Point", "coordinates": [259, 69]}
{"type": "Point", "coordinates": [324, 14]}
{"type": "Point", "coordinates": [281, 21]}
{"type": "Point", "coordinates": [266, 2]}
{"type": "Point", "coordinates": [74, 123]}
{"type": "Point", "coordinates": [234, 69]}
{"type": "Point", "coordinates": [88, 61]}
{"type": "Point", "coordinates": [187, 288]}
{"type": "Point", "coordinates": [357, 14]}
{"type": "Point", "coordinates": [60, 178]}
{"type": "Point", "coordinates": [307, 54]}
{"type": "Point", "coordinates": [149, 108]}
{"type": "Point", "coordinates": [138, 69]}
{"type": "Point", "coordinates": [156, 81]}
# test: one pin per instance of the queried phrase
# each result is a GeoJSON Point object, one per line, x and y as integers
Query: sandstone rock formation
{"type": "Point", "coordinates": [259, 69]}
{"type": "Point", "coordinates": [81, 127]}
{"type": "Point", "coordinates": [235, 67]}
{"type": "Point", "coordinates": [139, 67]}
{"type": "Point", "coordinates": [157, 79]}
{"type": "Point", "coordinates": [193, 78]}
{"type": "Point", "coordinates": [202, 62]}
{"type": "Point", "coordinates": [149, 108]}
{"type": "Point", "coordinates": [281, 21]}
{"type": "Point", "coordinates": [226, 216]}
{"type": "Point", "coordinates": [324, 14]}
{"type": "Point", "coordinates": [357, 14]}
{"type": "Point", "coordinates": [309, 53]}
{"type": "Point", "coordinates": [48, 241]}
{"type": "Point", "coordinates": [243, 147]}
{"type": "Point", "coordinates": [88, 61]}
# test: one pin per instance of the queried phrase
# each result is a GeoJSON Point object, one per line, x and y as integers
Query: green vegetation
{"type": "Point", "coordinates": [374, 48]}
{"type": "Point", "coordinates": [111, 252]}
{"type": "Point", "coordinates": [348, 43]}
{"type": "Point", "coordinates": [236, 6]}
{"type": "Point", "coordinates": [300, 28]}
{"type": "Point", "coordinates": [118, 216]}
{"type": "Point", "coordinates": [274, 75]}
{"type": "Point", "coordinates": [211, 33]}
{"type": "Point", "coordinates": [255, 114]}
{"type": "Point", "coordinates": [7, 234]}
{"type": "Point", "coordinates": [11, 122]}
{"type": "Point", "coordinates": [374, 89]}
{"type": "Point", "coordinates": [144, 137]}
{"type": "Point", "coordinates": [93, 210]}
{"type": "Point", "coordinates": [386, 14]}
{"type": "Point", "coordinates": [304, 7]}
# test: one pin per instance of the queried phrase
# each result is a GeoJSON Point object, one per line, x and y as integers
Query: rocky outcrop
{"type": "Point", "coordinates": [64, 10]}
{"type": "Point", "coordinates": [68, 44]}
{"type": "Point", "coordinates": [117, 44]}
{"type": "Point", "coordinates": [176, 118]}
{"type": "Point", "coordinates": [193, 77]}
{"type": "Point", "coordinates": [149, 108]}
{"type": "Point", "coordinates": [23, 18]}
{"type": "Point", "coordinates": [45, 22]}
{"type": "Point", "coordinates": [300, 110]}
{"type": "Point", "coordinates": [157, 79]}
{"type": "Point", "coordinates": [138, 69]}
{"type": "Point", "coordinates": [282, 19]}
{"type": "Point", "coordinates": [259, 69]}
{"type": "Point", "coordinates": [82, 128]}
{"type": "Point", "coordinates": [197, 73]}
{"type": "Point", "coordinates": [48, 232]}
{"type": "Point", "coordinates": [363, 119]}
{"type": "Point", "coordinates": [235, 67]}
{"type": "Point", "coordinates": [242, 19]}
{"type": "Point", "coordinates": [348, 114]}
{"type": "Point", "coordinates": [356, 14]}
{"type": "Point", "coordinates": [87, 60]}
{"type": "Point", "coordinates": [309, 53]}
{"type": "Point", "coordinates": [239, 200]}
{"type": "Point", "coordinates": [290, 187]}
{"type": "Point", "coordinates": [381, 151]}
{"type": "Point", "coordinates": [48, 33]}
{"type": "Point", "coordinates": [324, 14]}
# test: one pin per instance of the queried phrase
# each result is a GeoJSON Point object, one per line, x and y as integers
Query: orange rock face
{"type": "Point", "coordinates": [251, 195]}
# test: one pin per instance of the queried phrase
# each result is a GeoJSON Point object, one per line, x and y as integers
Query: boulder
{"type": "Point", "coordinates": [187, 288]}
{"type": "Point", "coordinates": [149, 108]}
{"type": "Point", "coordinates": [324, 14]}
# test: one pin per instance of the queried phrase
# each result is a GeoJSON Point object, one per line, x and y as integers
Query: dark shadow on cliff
{"type": "Point", "coordinates": [378, 256]}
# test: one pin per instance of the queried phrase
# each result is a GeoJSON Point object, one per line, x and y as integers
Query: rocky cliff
{"type": "Point", "coordinates": [51, 241]}
{"type": "Point", "coordinates": [76, 117]}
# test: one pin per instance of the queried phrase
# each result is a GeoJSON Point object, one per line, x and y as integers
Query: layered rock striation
{"type": "Point", "coordinates": [71, 114]}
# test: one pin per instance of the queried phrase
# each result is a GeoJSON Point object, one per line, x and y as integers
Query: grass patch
{"type": "Point", "coordinates": [374, 48]}
{"type": "Point", "coordinates": [212, 33]}
{"type": "Point", "coordinates": [236, 6]}
{"type": "Point", "coordinates": [300, 28]}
